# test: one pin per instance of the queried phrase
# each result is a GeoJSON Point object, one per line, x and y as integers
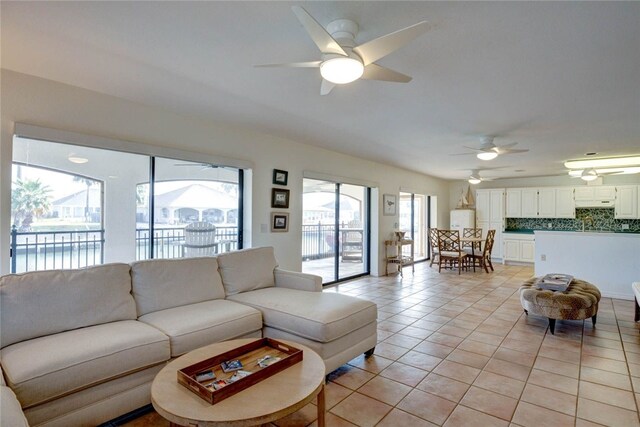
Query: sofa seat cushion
{"type": "Point", "coordinates": [317, 316]}
{"type": "Point", "coordinates": [195, 325]}
{"type": "Point", "coordinates": [48, 367]}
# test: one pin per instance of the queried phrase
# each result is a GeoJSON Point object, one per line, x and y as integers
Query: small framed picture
{"type": "Point", "coordinates": [279, 198]}
{"type": "Point", "coordinates": [280, 177]}
{"type": "Point", "coordinates": [390, 204]}
{"type": "Point", "coordinates": [279, 221]}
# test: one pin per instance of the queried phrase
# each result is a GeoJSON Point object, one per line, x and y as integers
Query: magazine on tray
{"type": "Point", "coordinates": [555, 282]}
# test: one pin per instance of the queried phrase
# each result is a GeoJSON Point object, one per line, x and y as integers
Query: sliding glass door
{"type": "Point", "coordinates": [414, 214]}
{"type": "Point", "coordinates": [335, 230]}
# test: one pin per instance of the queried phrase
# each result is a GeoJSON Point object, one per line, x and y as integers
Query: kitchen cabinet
{"type": "Point", "coordinates": [565, 204]}
{"type": "Point", "coordinates": [595, 196]}
{"type": "Point", "coordinates": [626, 206]}
{"type": "Point", "coordinates": [513, 203]}
{"type": "Point", "coordinates": [545, 202]}
{"type": "Point", "coordinates": [529, 202]}
{"type": "Point", "coordinates": [519, 247]}
{"type": "Point", "coordinates": [490, 216]}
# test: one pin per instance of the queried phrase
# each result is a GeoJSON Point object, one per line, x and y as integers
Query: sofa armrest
{"type": "Point", "coordinates": [299, 281]}
{"type": "Point", "coordinates": [11, 413]}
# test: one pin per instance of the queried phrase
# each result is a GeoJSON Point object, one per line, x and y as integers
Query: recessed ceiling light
{"type": "Point", "coordinates": [76, 159]}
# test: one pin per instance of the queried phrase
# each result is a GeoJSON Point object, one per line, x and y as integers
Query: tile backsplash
{"type": "Point", "coordinates": [603, 220]}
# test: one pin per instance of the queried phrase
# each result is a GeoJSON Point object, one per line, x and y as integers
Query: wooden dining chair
{"type": "Point", "coordinates": [484, 258]}
{"type": "Point", "coordinates": [472, 248]}
{"type": "Point", "coordinates": [449, 250]}
{"type": "Point", "coordinates": [432, 236]}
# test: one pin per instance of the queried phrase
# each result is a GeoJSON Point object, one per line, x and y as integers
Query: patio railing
{"type": "Point", "coordinates": [43, 250]}
{"type": "Point", "coordinates": [169, 242]}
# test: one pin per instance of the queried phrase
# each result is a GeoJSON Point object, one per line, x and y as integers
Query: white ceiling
{"type": "Point", "coordinates": [561, 78]}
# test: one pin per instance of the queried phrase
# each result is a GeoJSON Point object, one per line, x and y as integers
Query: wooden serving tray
{"type": "Point", "coordinates": [248, 354]}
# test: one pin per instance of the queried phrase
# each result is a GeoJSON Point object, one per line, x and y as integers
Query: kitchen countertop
{"type": "Point", "coordinates": [530, 231]}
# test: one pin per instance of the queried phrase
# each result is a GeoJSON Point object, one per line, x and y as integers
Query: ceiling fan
{"type": "Point", "coordinates": [475, 177]}
{"type": "Point", "coordinates": [592, 174]}
{"type": "Point", "coordinates": [489, 151]}
{"type": "Point", "coordinates": [342, 61]}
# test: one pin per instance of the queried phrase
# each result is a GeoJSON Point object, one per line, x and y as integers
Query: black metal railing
{"type": "Point", "coordinates": [43, 250]}
{"type": "Point", "coordinates": [317, 241]}
{"type": "Point", "coordinates": [169, 242]}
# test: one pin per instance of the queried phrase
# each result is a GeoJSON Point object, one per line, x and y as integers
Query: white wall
{"type": "Point", "coordinates": [31, 100]}
{"type": "Point", "coordinates": [543, 181]}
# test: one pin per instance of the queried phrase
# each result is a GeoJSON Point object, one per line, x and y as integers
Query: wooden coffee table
{"type": "Point", "coordinates": [267, 401]}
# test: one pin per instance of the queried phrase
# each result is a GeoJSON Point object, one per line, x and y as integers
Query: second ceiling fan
{"type": "Point", "coordinates": [342, 60]}
{"type": "Point", "coordinates": [489, 151]}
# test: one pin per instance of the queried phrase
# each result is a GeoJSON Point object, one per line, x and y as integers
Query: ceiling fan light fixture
{"type": "Point", "coordinates": [589, 175]}
{"type": "Point", "coordinates": [487, 155]}
{"type": "Point", "coordinates": [341, 70]}
{"type": "Point", "coordinates": [474, 180]}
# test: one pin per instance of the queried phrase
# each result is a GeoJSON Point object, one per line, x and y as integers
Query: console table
{"type": "Point", "coordinates": [393, 255]}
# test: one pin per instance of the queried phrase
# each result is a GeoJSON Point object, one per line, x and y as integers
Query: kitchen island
{"type": "Point", "coordinates": [609, 260]}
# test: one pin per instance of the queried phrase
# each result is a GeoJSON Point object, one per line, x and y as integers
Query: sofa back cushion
{"type": "Point", "coordinates": [247, 269]}
{"type": "Point", "coordinates": [42, 303]}
{"type": "Point", "coordinates": [166, 283]}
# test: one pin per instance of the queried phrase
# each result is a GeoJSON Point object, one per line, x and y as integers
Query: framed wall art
{"type": "Point", "coordinates": [279, 198]}
{"type": "Point", "coordinates": [280, 177]}
{"type": "Point", "coordinates": [279, 222]}
{"type": "Point", "coordinates": [390, 204]}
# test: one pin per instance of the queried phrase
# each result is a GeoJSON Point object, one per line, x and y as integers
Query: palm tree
{"type": "Point", "coordinates": [88, 182]}
{"type": "Point", "coordinates": [29, 198]}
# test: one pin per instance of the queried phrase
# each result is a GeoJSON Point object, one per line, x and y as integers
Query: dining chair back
{"type": "Point", "coordinates": [484, 259]}
{"type": "Point", "coordinates": [432, 236]}
{"type": "Point", "coordinates": [449, 249]}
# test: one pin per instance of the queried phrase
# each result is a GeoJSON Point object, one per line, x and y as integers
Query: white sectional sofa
{"type": "Point", "coordinates": [81, 347]}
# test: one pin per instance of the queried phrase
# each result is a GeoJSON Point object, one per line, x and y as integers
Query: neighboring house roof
{"type": "Point", "coordinates": [196, 196]}
{"type": "Point", "coordinates": [80, 199]}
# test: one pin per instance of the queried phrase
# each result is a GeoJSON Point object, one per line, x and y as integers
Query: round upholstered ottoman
{"type": "Point", "coordinates": [578, 302]}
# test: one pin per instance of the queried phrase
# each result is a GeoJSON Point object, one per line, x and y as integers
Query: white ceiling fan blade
{"type": "Point", "coordinates": [511, 151]}
{"type": "Point", "coordinates": [308, 64]}
{"type": "Point", "coordinates": [377, 72]}
{"type": "Point", "coordinates": [474, 149]}
{"type": "Point", "coordinates": [378, 48]}
{"type": "Point", "coordinates": [507, 146]}
{"type": "Point", "coordinates": [463, 154]}
{"type": "Point", "coordinates": [326, 87]}
{"type": "Point", "coordinates": [318, 34]}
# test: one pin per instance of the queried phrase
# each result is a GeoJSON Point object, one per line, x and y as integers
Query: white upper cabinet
{"type": "Point", "coordinates": [529, 202]}
{"type": "Point", "coordinates": [482, 205]}
{"type": "Point", "coordinates": [565, 205]}
{"type": "Point", "coordinates": [626, 202]}
{"type": "Point", "coordinates": [496, 198]}
{"type": "Point", "coordinates": [514, 203]}
{"type": "Point", "coordinates": [595, 196]}
{"type": "Point", "coordinates": [547, 202]}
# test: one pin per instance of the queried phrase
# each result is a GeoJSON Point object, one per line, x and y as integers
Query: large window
{"type": "Point", "coordinates": [75, 206]}
{"type": "Point", "coordinates": [335, 230]}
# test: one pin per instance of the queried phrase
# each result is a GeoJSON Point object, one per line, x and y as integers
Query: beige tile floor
{"type": "Point", "coordinates": [459, 351]}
